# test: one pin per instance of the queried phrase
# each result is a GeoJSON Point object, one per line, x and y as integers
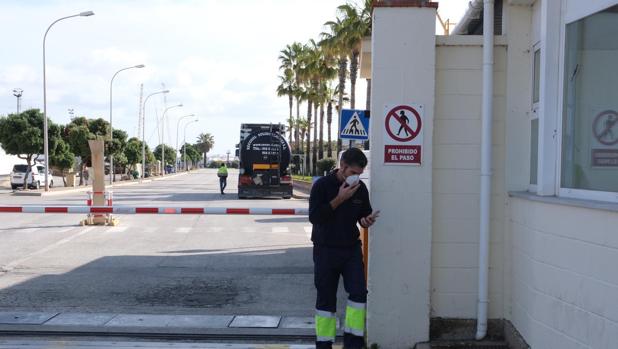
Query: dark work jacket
{"type": "Point", "coordinates": [336, 228]}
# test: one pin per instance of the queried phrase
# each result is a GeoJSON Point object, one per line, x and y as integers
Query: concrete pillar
{"type": "Point", "coordinates": [97, 148]}
{"type": "Point", "coordinates": [403, 73]}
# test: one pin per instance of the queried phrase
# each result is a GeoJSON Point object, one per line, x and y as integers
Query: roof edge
{"type": "Point", "coordinates": [404, 3]}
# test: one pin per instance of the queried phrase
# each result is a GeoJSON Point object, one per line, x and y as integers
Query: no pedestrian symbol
{"type": "Point", "coordinates": [403, 125]}
{"type": "Point", "coordinates": [605, 128]}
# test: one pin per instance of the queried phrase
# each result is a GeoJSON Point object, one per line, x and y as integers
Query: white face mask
{"type": "Point", "coordinates": [353, 179]}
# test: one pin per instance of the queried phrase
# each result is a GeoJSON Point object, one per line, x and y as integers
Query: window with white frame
{"type": "Point", "coordinates": [590, 110]}
{"type": "Point", "coordinates": [534, 116]}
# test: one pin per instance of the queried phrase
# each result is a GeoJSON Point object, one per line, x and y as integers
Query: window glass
{"type": "Point", "coordinates": [534, 150]}
{"type": "Point", "coordinates": [590, 119]}
{"type": "Point", "coordinates": [537, 76]}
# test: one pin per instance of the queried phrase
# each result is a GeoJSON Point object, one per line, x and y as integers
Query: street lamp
{"type": "Point", "coordinates": [45, 136]}
{"type": "Point", "coordinates": [177, 126]}
{"type": "Point", "coordinates": [163, 137]}
{"type": "Point", "coordinates": [144, 130]}
{"type": "Point", "coordinates": [184, 141]}
{"type": "Point", "coordinates": [17, 92]}
{"type": "Point", "coordinates": [111, 128]}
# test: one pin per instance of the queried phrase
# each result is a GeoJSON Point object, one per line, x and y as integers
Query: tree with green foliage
{"type": "Point", "coordinates": [205, 142]}
{"type": "Point", "coordinates": [193, 153]}
{"type": "Point", "coordinates": [78, 132]}
{"type": "Point", "coordinates": [116, 148]}
{"type": "Point", "coordinates": [170, 154]}
{"type": "Point", "coordinates": [22, 135]}
{"type": "Point", "coordinates": [133, 153]}
{"type": "Point", "coordinates": [60, 155]}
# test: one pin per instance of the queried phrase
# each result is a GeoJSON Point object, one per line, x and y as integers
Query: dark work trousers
{"type": "Point", "coordinates": [222, 183]}
{"type": "Point", "coordinates": [329, 264]}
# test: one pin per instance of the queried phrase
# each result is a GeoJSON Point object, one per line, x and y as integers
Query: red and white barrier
{"type": "Point", "coordinates": [155, 210]}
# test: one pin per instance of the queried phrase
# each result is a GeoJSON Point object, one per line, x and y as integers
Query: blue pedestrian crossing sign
{"type": "Point", "coordinates": [354, 124]}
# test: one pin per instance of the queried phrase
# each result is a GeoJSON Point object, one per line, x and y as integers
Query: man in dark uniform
{"type": "Point", "coordinates": [337, 203]}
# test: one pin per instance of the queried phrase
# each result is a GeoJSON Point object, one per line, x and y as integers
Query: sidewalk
{"type": "Point", "coordinates": [65, 190]}
{"type": "Point", "coordinates": [260, 327]}
{"type": "Point", "coordinates": [301, 190]}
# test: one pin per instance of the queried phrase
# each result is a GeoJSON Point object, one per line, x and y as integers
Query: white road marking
{"type": "Point", "coordinates": [248, 229]}
{"type": "Point", "coordinates": [280, 230]}
{"type": "Point", "coordinates": [182, 230]}
{"type": "Point", "coordinates": [214, 229]}
{"type": "Point", "coordinates": [17, 262]}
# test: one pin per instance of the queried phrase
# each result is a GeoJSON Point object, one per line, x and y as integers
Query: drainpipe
{"type": "Point", "coordinates": [486, 145]}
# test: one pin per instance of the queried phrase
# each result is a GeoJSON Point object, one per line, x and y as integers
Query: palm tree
{"type": "Point", "coordinates": [334, 43]}
{"type": "Point", "coordinates": [205, 142]}
{"type": "Point", "coordinates": [286, 88]}
{"type": "Point", "coordinates": [356, 25]}
{"type": "Point", "coordinates": [290, 58]}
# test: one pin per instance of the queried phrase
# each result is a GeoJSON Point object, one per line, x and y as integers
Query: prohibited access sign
{"type": "Point", "coordinates": [403, 134]}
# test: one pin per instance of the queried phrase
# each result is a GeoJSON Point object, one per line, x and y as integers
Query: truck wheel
{"type": "Point", "coordinates": [13, 186]}
{"type": "Point", "coordinates": [287, 197]}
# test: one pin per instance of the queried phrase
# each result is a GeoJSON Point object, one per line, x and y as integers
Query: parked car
{"type": "Point", "coordinates": [35, 180]}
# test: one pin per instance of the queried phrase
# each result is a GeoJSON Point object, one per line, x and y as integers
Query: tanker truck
{"type": "Point", "coordinates": [264, 156]}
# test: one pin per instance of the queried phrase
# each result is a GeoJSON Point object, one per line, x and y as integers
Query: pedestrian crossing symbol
{"type": "Point", "coordinates": [354, 124]}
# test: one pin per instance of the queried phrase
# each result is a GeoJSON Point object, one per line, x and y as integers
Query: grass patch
{"type": "Point", "coordinates": [302, 178]}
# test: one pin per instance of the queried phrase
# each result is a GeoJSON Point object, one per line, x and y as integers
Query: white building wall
{"type": "Point", "coordinates": [7, 162]}
{"type": "Point", "coordinates": [456, 179]}
{"type": "Point", "coordinates": [565, 284]}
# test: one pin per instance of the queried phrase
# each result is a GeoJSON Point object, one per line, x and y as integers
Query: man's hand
{"type": "Point", "coordinates": [345, 192]}
{"type": "Point", "coordinates": [369, 220]}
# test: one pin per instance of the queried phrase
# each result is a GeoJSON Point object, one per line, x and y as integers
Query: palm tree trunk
{"type": "Point", "coordinates": [368, 106]}
{"type": "Point", "coordinates": [368, 102]}
{"type": "Point", "coordinates": [321, 145]}
{"type": "Point", "coordinates": [308, 154]}
{"type": "Point", "coordinates": [296, 130]}
{"type": "Point", "coordinates": [329, 121]}
{"type": "Point", "coordinates": [315, 140]}
{"type": "Point", "coordinates": [343, 66]}
{"type": "Point", "coordinates": [291, 100]}
{"type": "Point", "coordinates": [353, 75]}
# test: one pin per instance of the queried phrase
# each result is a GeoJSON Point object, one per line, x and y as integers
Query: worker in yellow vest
{"type": "Point", "coordinates": [222, 173]}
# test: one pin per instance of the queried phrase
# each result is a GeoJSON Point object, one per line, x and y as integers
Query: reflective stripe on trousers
{"type": "Point", "coordinates": [355, 318]}
{"type": "Point", "coordinates": [325, 326]}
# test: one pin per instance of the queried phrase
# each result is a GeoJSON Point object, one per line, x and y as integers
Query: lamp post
{"type": "Point", "coordinates": [17, 92]}
{"type": "Point", "coordinates": [163, 137]}
{"type": "Point", "coordinates": [144, 130]}
{"type": "Point", "coordinates": [45, 136]}
{"type": "Point", "coordinates": [177, 126]}
{"type": "Point", "coordinates": [111, 128]}
{"type": "Point", "coordinates": [184, 141]}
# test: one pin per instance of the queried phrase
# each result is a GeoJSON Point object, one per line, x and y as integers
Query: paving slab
{"type": "Point", "coordinates": [256, 321]}
{"type": "Point", "coordinates": [142, 320]}
{"type": "Point", "coordinates": [201, 321]}
{"type": "Point", "coordinates": [25, 318]}
{"type": "Point", "coordinates": [307, 322]}
{"type": "Point", "coordinates": [80, 319]}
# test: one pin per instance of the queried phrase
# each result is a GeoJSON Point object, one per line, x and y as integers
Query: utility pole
{"type": "Point", "coordinates": [17, 92]}
{"type": "Point", "coordinates": [139, 116]}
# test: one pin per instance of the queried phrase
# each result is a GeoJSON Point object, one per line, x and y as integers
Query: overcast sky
{"type": "Point", "coordinates": [217, 57]}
